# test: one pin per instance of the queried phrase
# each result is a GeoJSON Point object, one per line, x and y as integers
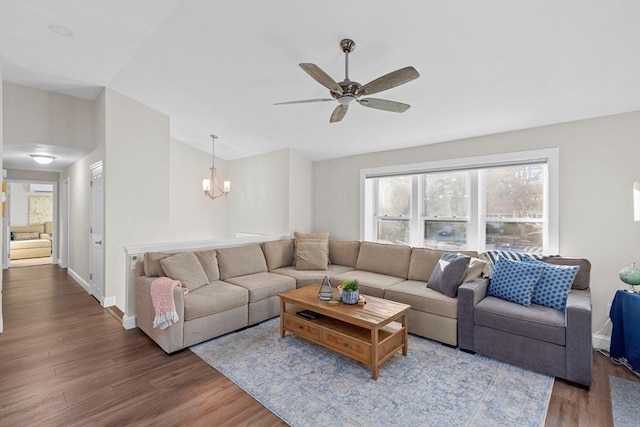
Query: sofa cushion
{"type": "Point", "coordinates": [263, 285]}
{"type": "Point", "coordinates": [581, 280]}
{"type": "Point", "coordinates": [391, 260]}
{"type": "Point", "coordinates": [299, 237]}
{"type": "Point", "coordinates": [514, 280]}
{"type": "Point", "coordinates": [344, 252]}
{"type": "Point", "coordinates": [449, 273]}
{"type": "Point", "coordinates": [492, 256]}
{"type": "Point", "coordinates": [311, 277]}
{"type": "Point", "coordinates": [152, 267]}
{"type": "Point", "coordinates": [240, 261]}
{"type": "Point", "coordinates": [278, 253]}
{"type": "Point", "coordinates": [553, 287]}
{"type": "Point", "coordinates": [537, 322]}
{"type": "Point", "coordinates": [186, 268]}
{"type": "Point", "coordinates": [312, 255]}
{"type": "Point", "coordinates": [422, 263]}
{"type": "Point", "coordinates": [369, 283]}
{"type": "Point", "coordinates": [209, 261]}
{"type": "Point", "coordinates": [213, 298]}
{"type": "Point", "coordinates": [421, 298]}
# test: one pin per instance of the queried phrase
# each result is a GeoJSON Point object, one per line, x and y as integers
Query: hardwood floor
{"type": "Point", "coordinates": [64, 360]}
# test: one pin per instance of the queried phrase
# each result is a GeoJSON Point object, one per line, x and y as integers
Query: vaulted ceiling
{"type": "Point", "coordinates": [219, 66]}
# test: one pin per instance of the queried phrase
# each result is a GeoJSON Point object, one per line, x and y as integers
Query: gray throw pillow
{"type": "Point", "coordinates": [448, 274]}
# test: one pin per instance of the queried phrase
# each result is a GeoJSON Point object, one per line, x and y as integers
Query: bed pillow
{"type": "Point", "coordinates": [553, 287]}
{"type": "Point", "coordinates": [514, 280]}
{"type": "Point", "coordinates": [448, 273]}
{"type": "Point", "coordinates": [26, 235]}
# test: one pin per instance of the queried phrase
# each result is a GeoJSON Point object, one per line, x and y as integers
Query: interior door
{"type": "Point", "coordinates": [96, 230]}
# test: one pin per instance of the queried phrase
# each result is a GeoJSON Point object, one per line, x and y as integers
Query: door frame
{"type": "Point", "coordinates": [99, 292]}
{"type": "Point", "coordinates": [55, 217]}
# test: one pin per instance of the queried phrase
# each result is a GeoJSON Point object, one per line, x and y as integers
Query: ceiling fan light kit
{"type": "Point", "coordinates": [347, 92]}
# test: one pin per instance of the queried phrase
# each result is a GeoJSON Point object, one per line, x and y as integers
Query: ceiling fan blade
{"type": "Point", "coordinates": [384, 104]}
{"type": "Point", "coordinates": [304, 101]}
{"type": "Point", "coordinates": [393, 79]}
{"type": "Point", "coordinates": [338, 113]}
{"type": "Point", "coordinates": [321, 77]}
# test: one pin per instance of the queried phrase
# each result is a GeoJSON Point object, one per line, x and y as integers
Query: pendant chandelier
{"type": "Point", "coordinates": [210, 186]}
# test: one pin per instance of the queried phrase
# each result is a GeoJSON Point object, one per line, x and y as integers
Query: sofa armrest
{"type": "Point", "coordinates": [469, 295]}
{"type": "Point", "coordinates": [578, 338]}
{"type": "Point", "coordinates": [170, 339]}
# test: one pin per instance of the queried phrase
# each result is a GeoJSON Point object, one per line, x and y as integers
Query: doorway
{"type": "Point", "coordinates": [31, 222]}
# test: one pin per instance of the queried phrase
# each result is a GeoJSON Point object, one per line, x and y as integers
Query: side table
{"type": "Point", "coordinates": [625, 337]}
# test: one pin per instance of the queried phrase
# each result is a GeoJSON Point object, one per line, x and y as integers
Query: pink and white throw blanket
{"type": "Point", "coordinates": [163, 303]}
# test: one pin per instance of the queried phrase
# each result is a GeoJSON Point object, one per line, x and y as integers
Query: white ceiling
{"type": "Point", "coordinates": [218, 66]}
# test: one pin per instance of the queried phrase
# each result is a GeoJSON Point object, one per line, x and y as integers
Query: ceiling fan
{"type": "Point", "coordinates": [346, 92]}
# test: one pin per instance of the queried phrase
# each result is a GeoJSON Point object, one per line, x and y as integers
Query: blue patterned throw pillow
{"type": "Point", "coordinates": [514, 280]}
{"type": "Point", "coordinates": [492, 256]}
{"type": "Point", "coordinates": [554, 285]}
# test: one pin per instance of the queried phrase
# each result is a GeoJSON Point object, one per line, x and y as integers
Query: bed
{"type": "Point", "coordinates": [30, 241]}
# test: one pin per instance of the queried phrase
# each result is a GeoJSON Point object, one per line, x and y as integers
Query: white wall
{"type": "Point", "coordinates": [300, 193]}
{"type": "Point", "coordinates": [79, 204]}
{"type": "Point", "coordinates": [4, 232]}
{"type": "Point", "coordinates": [19, 203]}
{"type": "Point", "coordinates": [599, 161]}
{"type": "Point", "coordinates": [193, 216]}
{"type": "Point", "coordinates": [136, 177]}
{"type": "Point", "coordinates": [40, 117]}
{"type": "Point", "coordinates": [259, 197]}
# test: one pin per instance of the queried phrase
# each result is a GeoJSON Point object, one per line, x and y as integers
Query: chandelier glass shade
{"type": "Point", "coordinates": [210, 186]}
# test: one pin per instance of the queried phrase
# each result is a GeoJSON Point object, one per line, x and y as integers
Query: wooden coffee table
{"type": "Point", "coordinates": [370, 334]}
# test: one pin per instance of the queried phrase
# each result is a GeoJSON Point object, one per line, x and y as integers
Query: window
{"type": "Point", "coordinates": [493, 202]}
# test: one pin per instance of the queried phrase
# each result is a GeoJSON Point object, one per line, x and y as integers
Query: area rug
{"type": "Point", "coordinates": [434, 385]}
{"type": "Point", "coordinates": [625, 402]}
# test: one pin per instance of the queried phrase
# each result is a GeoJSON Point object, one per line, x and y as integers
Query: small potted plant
{"type": "Point", "coordinates": [350, 292]}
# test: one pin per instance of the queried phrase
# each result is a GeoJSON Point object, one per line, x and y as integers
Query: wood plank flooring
{"type": "Point", "coordinates": [66, 361]}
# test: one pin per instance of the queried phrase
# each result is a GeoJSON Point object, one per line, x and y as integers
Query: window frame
{"type": "Point", "coordinates": [476, 233]}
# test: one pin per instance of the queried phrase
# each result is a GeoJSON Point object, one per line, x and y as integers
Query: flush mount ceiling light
{"type": "Point", "coordinates": [42, 158]}
{"type": "Point", "coordinates": [60, 30]}
{"type": "Point", "coordinates": [210, 186]}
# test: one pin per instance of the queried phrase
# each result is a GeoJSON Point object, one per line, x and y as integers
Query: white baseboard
{"type": "Point", "coordinates": [108, 301]}
{"type": "Point", "coordinates": [129, 322]}
{"type": "Point", "coordinates": [78, 279]}
{"type": "Point", "coordinates": [601, 341]}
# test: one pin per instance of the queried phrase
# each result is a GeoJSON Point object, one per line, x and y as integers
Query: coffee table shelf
{"type": "Point", "coordinates": [370, 334]}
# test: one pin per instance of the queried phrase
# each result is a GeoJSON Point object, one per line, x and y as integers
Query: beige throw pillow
{"type": "Point", "coordinates": [475, 269]}
{"type": "Point", "coordinates": [152, 267]}
{"type": "Point", "coordinates": [300, 237]}
{"type": "Point", "coordinates": [312, 255]}
{"type": "Point", "coordinates": [186, 268]}
{"type": "Point", "coordinates": [209, 261]}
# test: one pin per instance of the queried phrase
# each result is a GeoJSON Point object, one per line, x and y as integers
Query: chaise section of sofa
{"type": "Point", "coordinates": [539, 338]}
{"type": "Point", "coordinates": [210, 309]}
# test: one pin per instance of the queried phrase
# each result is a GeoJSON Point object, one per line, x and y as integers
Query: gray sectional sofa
{"type": "Point", "coordinates": [239, 288]}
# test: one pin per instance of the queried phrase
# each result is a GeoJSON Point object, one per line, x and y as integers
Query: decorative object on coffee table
{"type": "Point", "coordinates": [631, 276]}
{"type": "Point", "coordinates": [350, 292]}
{"type": "Point", "coordinates": [325, 293]}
